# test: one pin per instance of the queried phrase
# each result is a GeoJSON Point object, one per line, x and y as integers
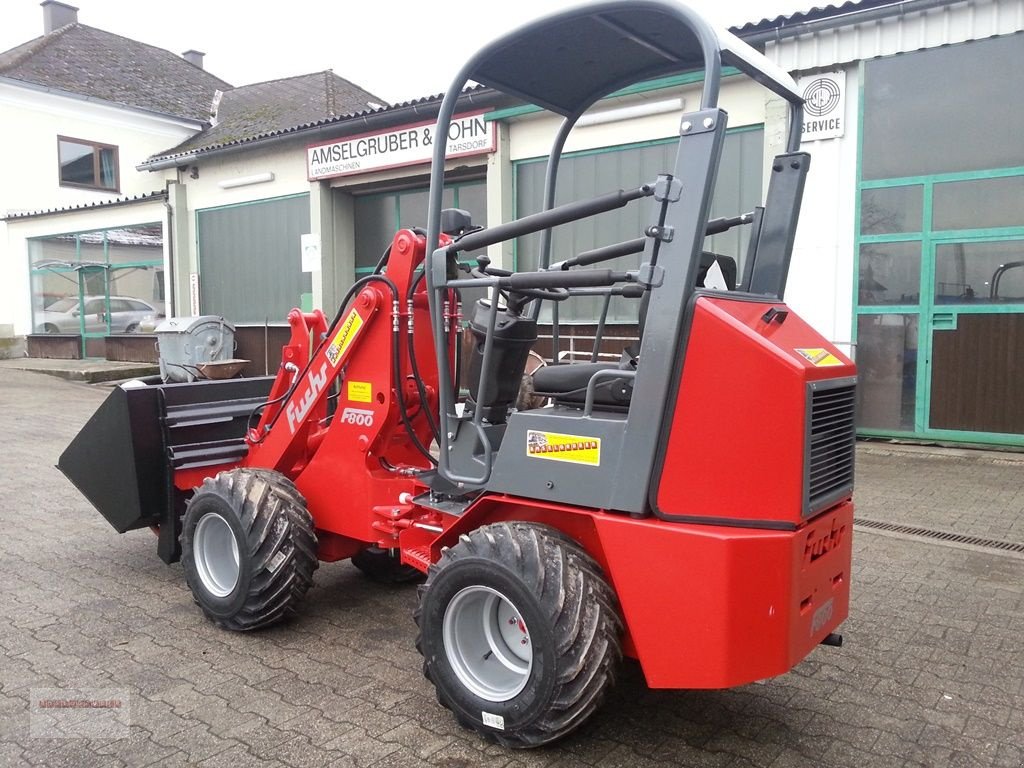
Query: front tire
{"type": "Point", "coordinates": [248, 548]}
{"type": "Point", "coordinates": [520, 633]}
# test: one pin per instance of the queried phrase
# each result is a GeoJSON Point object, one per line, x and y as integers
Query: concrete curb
{"type": "Point", "coordinates": [982, 455]}
{"type": "Point", "coordinates": [84, 371]}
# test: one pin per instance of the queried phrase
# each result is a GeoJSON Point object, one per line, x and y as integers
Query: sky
{"type": "Point", "coordinates": [396, 49]}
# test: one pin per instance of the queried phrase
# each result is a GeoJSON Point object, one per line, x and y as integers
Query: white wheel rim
{"type": "Point", "coordinates": [216, 555]}
{"type": "Point", "coordinates": [487, 643]}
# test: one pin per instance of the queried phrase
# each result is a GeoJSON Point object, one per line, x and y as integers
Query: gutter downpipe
{"type": "Point", "coordinates": [170, 292]}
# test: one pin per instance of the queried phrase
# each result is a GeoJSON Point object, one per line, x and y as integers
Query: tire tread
{"type": "Point", "coordinates": [274, 519]}
{"type": "Point", "coordinates": [580, 605]}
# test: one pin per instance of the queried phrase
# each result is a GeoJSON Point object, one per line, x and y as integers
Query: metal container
{"type": "Point", "coordinates": [222, 369]}
{"type": "Point", "coordinates": [186, 342]}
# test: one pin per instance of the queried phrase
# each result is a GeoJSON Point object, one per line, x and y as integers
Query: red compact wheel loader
{"type": "Point", "coordinates": [690, 507]}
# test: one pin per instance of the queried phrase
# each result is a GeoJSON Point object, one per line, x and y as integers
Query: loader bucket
{"type": "Point", "coordinates": [124, 458]}
{"type": "Point", "coordinates": [117, 462]}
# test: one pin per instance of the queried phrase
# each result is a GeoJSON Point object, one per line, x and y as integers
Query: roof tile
{"type": "Point", "coordinates": [91, 62]}
{"type": "Point", "coordinates": [256, 110]}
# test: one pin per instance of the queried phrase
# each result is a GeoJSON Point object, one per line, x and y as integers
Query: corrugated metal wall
{"type": "Point", "coordinates": [592, 173]}
{"type": "Point", "coordinates": [956, 22]}
{"type": "Point", "coordinates": [250, 259]}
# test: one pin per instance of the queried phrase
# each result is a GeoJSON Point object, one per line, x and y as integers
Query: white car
{"type": "Point", "coordinates": [65, 316]}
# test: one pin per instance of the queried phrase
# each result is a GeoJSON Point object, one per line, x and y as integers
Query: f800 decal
{"type": "Point", "coordinates": [358, 416]}
{"type": "Point", "coordinates": [574, 449]}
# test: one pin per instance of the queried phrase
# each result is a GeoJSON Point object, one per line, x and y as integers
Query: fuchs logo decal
{"type": "Point", "coordinates": [297, 410]}
{"type": "Point", "coordinates": [819, 546]}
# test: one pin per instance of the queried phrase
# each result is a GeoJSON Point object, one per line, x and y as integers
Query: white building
{"type": "Point", "coordinates": [913, 215]}
{"type": "Point", "coordinates": [81, 108]}
{"type": "Point", "coordinates": [85, 239]}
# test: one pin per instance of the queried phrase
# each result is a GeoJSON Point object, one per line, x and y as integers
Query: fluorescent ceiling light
{"type": "Point", "coordinates": [645, 109]}
{"type": "Point", "coordinates": [244, 181]}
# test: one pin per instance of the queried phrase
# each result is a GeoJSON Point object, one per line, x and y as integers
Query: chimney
{"type": "Point", "coordinates": [194, 57]}
{"type": "Point", "coordinates": [57, 15]}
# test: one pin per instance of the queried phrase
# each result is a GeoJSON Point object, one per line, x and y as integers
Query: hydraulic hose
{"type": "Point", "coordinates": [414, 366]}
{"type": "Point", "coordinates": [396, 363]}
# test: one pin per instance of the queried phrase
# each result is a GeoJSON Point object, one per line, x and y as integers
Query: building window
{"type": "Point", "coordinates": [940, 244]}
{"type": "Point", "coordinates": [87, 164]}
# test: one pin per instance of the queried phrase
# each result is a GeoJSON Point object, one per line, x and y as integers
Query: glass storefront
{"type": "Point", "coordinates": [379, 215]}
{"type": "Point", "coordinates": [940, 244]}
{"type": "Point", "coordinates": [97, 283]}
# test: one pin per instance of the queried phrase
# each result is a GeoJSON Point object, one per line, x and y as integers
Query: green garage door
{"type": "Point", "coordinates": [250, 259]}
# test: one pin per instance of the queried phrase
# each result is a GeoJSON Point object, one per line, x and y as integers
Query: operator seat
{"type": "Point", "coordinates": [566, 383]}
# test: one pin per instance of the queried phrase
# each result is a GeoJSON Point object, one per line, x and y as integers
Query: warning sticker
{"type": "Point", "coordinates": [575, 449]}
{"type": "Point", "coordinates": [349, 330]}
{"type": "Point", "coordinates": [819, 357]}
{"type": "Point", "coordinates": [360, 391]}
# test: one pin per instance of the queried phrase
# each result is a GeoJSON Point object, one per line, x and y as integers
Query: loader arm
{"type": "Point", "coordinates": [370, 334]}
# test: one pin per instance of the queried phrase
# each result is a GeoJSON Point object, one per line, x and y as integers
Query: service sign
{"type": "Point", "coordinates": [408, 145]}
{"type": "Point", "coordinates": [824, 105]}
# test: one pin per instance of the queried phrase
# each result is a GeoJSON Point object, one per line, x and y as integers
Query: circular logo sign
{"type": "Point", "coordinates": [821, 97]}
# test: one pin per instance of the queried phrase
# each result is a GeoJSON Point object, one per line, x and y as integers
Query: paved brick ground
{"type": "Point", "coordinates": [980, 493]}
{"type": "Point", "coordinates": [931, 673]}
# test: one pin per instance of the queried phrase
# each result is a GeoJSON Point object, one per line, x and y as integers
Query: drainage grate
{"type": "Point", "coordinates": [928, 533]}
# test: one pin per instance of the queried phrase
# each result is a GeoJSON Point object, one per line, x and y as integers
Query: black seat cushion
{"type": "Point", "coordinates": [567, 383]}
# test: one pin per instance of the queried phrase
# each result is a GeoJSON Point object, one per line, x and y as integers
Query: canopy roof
{"type": "Point", "coordinates": [566, 61]}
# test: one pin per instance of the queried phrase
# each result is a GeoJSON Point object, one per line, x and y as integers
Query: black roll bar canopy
{"type": "Point", "coordinates": [566, 62]}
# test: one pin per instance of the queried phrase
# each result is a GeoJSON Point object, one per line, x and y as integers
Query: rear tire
{"type": "Point", "coordinates": [384, 566]}
{"type": "Point", "coordinates": [248, 548]}
{"type": "Point", "coordinates": [520, 633]}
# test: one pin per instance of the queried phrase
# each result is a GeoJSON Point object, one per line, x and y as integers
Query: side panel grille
{"type": "Point", "coordinates": [829, 443]}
